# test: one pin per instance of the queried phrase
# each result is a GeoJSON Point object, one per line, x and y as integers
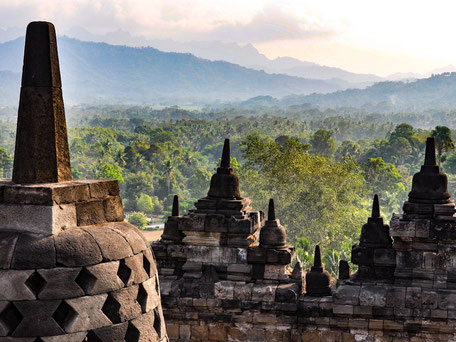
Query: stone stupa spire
{"type": "Point", "coordinates": [429, 185]}
{"type": "Point", "coordinates": [171, 232]}
{"type": "Point", "coordinates": [375, 233]}
{"type": "Point", "coordinates": [41, 154]}
{"type": "Point", "coordinates": [318, 279]}
{"type": "Point", "coordinates": [375, 207]}
{"type": "Point", "coordinates": [273, 234]}
{"type": "Point", "coordinates": [175, 209]}
{"type": "Point", "coordinates": [224, 183]}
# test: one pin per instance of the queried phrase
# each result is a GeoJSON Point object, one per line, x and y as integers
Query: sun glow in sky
{"type": "Point", "coordinates": [368, 36]}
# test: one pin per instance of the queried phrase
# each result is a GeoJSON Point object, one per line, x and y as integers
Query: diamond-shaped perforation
{"type": "Point", "coordinates": [11, 317]}
{"type": "Point", "coordinates": [124, 272]}
{"type": "Point", "coordinates": [92, 337]}
{"type": "Point", "coordinates": [111, 308]}
{"type": "Point", "coordinates": [142, 298]}
{"type": "Point", "coordinates": [64, 314]}
{"type": "Point", "coordinates": [85, 280]}
{"type": "Point", "coordinates": [146, 265]}
{"type": "Point", "coordinates": [132, 334]}
{"type": "Point", "coordinates": [157, 322]}
{"type": "Point", "coordinates": [35, 283]}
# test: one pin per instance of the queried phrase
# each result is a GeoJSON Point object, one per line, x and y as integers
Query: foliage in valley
{"type": "Point", "coordinates": [322, 168]}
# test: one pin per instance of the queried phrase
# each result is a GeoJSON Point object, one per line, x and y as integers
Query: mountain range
{"type": "Point", "coordinates": [103, 73]}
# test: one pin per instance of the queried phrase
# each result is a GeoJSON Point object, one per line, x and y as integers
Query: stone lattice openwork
{"type": "Point", "coordinates": [71, 268]}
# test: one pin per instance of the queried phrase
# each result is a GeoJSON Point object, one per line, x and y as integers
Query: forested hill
{"type": "Point", "coordinates": [103, 73]}
{"type": "Point", "coordinates": [436, 92]}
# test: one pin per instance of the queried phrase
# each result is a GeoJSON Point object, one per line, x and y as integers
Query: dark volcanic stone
{"type": "Point", "coordinates": [113, 245]}
{"type": "Point", "coordinates": [318, 280]}
{"type": "Point", "coordinates": [41, 154]}
{"type": "Point", "coordinates": [430, 185]}
{"type": "Point", "coordinates": [75, 247]}
{"type": "Point", "coordinates": [38, 311]}
{"type": "Point", "coordinates": [115, 333]}
{"type": "Point", "coordinates": [34, 251]}
{"type": "Point", "coordinates": [7, 245]}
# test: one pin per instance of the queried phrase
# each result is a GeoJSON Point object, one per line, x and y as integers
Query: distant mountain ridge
{"type": "Point", "coordinates": [103, 73]}
{"type": "Point", "coordinates": [437, 92]}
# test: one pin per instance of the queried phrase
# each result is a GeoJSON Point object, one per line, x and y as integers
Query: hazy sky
{"type": "Point", "coordinates": [375, 36]}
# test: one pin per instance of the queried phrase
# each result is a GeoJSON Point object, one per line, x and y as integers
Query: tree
{"type": "Point", "coordinates": [145, 204]}
{"type": "Point", "coordinates": [138, 219]}
{"type": "Point", "coordinates": [110, 171]}
{"type": "Point", "coordinates": [317, 197]}
{"type": "Point", "coordinates": [443, 142]}
{"type": "Point", "coordinates": [6, 163]}
{"type": "Point", "coordinates": [322, 143]}
{"type": "Point", "coordinates": [198, 184]}
{"type": "Point", "coordinates": [450, 163]}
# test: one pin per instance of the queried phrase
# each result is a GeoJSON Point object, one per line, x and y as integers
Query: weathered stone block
{"type": "Point", "coordinates": [215, 223]}
{"type": "Point", "coordinates": [263, 292]}
{"type": "Point", "coordinates": [8, 242]}
{"type": "Point", "coordinates": [113, 246]}
{"type": "Point", "coordinates": [101, 278]}
{"type": "Point", "coordinates": [224, 290]}
{"type": "Point", "coordinates": [88, 314]}
{"type": "Point", "coordinates": [256, 255]}
{"type": "Point", "coordinates": [37, 311]}
{"type": "Point", "coordinates": [402, 228]}
{"type": "Point", "coordinates": [343, 309]}
{"type": "Point", "coordinates": [192, 222]}
{"type": "Point", "coordinates": [59, 283]}
{"type": "Point", "coordinates": [13, 285]}
{"type": "Point", "coordinates": [90, 213]}
{"type": "Point", "coordinates": [34, 251]}
{"type": "Point", "coordinates": [373, 295]}
{"type": "Point", "coordinates": [196, 238]}
{"type": "Point", "coordinates": [133, 236]}
{"type": "Point", "coordinates": [243, 291]}
{"type": "Point", "coordinates": [346, 294]}
{"type": "Point", "coordinates": [76, 337]}
{"type": "Point", "coordinates": [135, 264]}
{"type": "Point", "coordinates": [75, 247]}
{"type": "Point", "coordinates": [113, 209]}
{"type": "Point", "coordinates": [217, 332]}
{"type": "Point", "coordinates": [385, 256]}
{"type": "Point", "coordinates": [240, 226]}
{"type": "Point", "coordinates": [148, 296]}
{"type": "Point", "coordinates": [37, 219]}
{"type": "Point", "coordinates": [122, 305]}
{"type": "Point", "coordinates": [395, 297]}
{"type": "Point", "coordinates": [362, 255]}
{"type": "Point", "coordinates": [413, 297]}
{"type": "Point", "coordinates": [287, 293]}
{"type": "Point", "coordinates": [103, 188]}
{"type": "Point", "coordinates": [114, 333]}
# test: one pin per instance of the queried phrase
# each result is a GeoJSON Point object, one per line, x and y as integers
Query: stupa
{"type": "Point", "coordinates": [71, 268]}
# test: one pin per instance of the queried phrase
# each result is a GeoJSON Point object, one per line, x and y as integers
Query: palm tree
{"type": "Point", "coordinates": [443, 142]}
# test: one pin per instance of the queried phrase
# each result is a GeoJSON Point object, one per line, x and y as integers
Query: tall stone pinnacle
{"type": "Point", "coordinates": [175, 210]}
{"type": "Point", "coordinates": [41, 154]}
{"type": "Point", "coordinates": [375, 207]}
{"type": "Point", "coordinates": [271, 210]}
{"type": "Point", "coordinates": [429, 158]}
{"type": "Point", "coordinates": [226, 155]}
{"type": "Point", "coordinates": [317, 257]}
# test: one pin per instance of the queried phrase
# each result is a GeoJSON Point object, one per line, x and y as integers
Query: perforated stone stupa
{"type": "Point", "coordinates": [71, 268]}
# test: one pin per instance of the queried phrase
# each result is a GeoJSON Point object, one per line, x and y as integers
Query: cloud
{"type": "Point", "coordinates": [270, 24]}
